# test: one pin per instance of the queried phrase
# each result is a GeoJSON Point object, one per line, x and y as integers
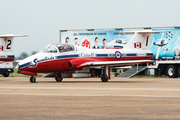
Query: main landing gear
{"type": "Point", "coordinates": [32, 79]}
{"type": "Point", "coordinates": [106, 73]}
{"type": "Point", "coordinates": [104, 78]}
{"type": "Point", "coordinates": [58, 79]}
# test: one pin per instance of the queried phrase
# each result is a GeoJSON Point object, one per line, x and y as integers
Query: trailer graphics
{"type": "Point", "coordinates": [165, 46]}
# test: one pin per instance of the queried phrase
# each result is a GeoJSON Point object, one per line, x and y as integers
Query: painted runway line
{"type": "Point", "coordinates": [89, 95]}
{"type": "Point", "coordinates": [93, 88]}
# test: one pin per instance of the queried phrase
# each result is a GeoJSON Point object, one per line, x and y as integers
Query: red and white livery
{"type": "Point", "coordinates": [67, 60]}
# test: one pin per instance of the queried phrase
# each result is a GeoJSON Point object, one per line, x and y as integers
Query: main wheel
{"type": "Point", "coordinates": [58, 79]}
{"type": "Point", "coordinates": [179, 71]}
{"type": "Point", "coordinates": [172, 71]}
{"type": "Point", "coordinates": [5, 74]}
{"type": "Point", "coordinates": [104, 78]}
{"type": "Point", "coordinates": [32, 79]}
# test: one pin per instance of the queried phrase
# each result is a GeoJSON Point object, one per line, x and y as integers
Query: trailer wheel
{"type": "Point", "coordinates": [172, 71]}
{"type": "Point", "coordinates": [5, 74]}
{"type": "Point", "coordinates": [179, 71]}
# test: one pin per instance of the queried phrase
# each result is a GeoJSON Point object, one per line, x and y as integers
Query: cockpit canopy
{"type": "Point", "coordinates": [119, 41]}
{"type": "Point", "coordinates": [59, 47]}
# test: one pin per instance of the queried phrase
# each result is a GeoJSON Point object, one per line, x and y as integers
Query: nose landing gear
{"type": "Point", "coordinates": [32, 79]}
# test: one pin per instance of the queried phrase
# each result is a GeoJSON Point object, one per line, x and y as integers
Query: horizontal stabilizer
{"type": "Point", "coordinates": [17, 61]}
{"type": "Point", "coordinates": [144, 32]}
{"type": "Point", "coordinates": [12, 35]}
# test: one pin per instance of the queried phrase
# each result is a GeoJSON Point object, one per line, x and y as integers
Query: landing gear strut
{"type": "Point", "coordinates": [32, 79]}
{"type": "Point", "coordinates": [104, 78]}
{"type": "Point", "coordinates": [58, 79]}
{"type": "Point", "coordinates": [106, 73]}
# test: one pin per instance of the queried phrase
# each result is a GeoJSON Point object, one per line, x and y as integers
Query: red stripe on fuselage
{"type": "Point", "coordinates": [58, 64]}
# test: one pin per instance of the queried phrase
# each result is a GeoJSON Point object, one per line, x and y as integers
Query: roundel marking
{"type": "Point", "coordinates": [117, 55]}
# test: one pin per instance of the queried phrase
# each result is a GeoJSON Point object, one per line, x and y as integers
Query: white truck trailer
{"type": "Point", "coordinates": [165, 46]}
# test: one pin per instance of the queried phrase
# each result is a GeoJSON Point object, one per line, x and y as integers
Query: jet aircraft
{"type": "Point", "coordinates": [71, 61]}
{"type": "Point", "coordinates": [6, 55]}
{"type": "Point", "coordinates": [117, 43]}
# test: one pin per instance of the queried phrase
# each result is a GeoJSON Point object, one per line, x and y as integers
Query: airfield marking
{"type": "Point", "coordinates": [81, 95]}
{"type": "Point", "coordinates": [91, 88]}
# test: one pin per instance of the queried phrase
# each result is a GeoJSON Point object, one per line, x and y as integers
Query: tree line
{"type": "Point", "coordinates": [24, 55]}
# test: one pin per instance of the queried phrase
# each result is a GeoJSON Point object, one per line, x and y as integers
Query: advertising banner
{"type": "Point", "coordinates": [163, 45]}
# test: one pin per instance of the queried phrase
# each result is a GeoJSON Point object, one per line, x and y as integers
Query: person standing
{"type": "Point", "coordinates": [96, 43]}
{"type": "Point", "coordinates": [104, 43]}
{"type": "Point", "coordinates": [76, 41]}
{"type": "Point", "coordinates": [67, 40]}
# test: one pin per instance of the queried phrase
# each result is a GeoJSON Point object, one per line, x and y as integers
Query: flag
{"type": "Point", "coordinates": [137, 45]}
{"type": "Point", "coordinates": [1, 48]}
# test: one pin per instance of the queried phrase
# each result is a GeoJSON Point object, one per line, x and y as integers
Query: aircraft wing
{"type": "Point", "coordinates": [102, 63]}
{"type": "Point", "coordinates": [144, 32]}
{"type": "Point", "coordinates": [114, 63]}
{"type": "Point", "coordinates": [49, 75]}
{"type": "Point", "coordinates": [12, 35]}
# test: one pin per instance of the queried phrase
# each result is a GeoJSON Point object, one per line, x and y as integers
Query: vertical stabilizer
{"type": "Point", "coordinates": [6, 42]}
{"type": "Point", "coordinates": [141, 39]}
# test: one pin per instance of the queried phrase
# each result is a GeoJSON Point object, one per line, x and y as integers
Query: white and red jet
{"type": "Point", "coordinates": [6, 55]}
{"type": "Point", "coordinates": [67, 60]}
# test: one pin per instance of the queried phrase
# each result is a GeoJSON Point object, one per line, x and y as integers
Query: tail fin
{"type": "Point", "coordinates": [6, 42]}
{"type": "Point", "coordinates": [141, 39]}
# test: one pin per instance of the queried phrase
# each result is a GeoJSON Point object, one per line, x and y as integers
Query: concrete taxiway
{"type": "Point", "coordinates": [135, 98]}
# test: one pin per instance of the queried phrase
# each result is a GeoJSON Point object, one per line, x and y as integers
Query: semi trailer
{"type": "Point", "coordinates": [165, 46]}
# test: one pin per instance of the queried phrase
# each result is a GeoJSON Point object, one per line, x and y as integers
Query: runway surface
{"type": "Point", "coordinates": [120, 98]}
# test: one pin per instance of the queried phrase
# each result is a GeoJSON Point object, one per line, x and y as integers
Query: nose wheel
{"type": "Point", "coordinates": [32, 79]}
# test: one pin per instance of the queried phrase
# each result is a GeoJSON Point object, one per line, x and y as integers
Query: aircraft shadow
{"type": "Point", "coordinates": [93, 82]}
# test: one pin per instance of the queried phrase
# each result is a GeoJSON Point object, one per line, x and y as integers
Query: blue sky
{"type": "Point", "coordinates": [42, 19]}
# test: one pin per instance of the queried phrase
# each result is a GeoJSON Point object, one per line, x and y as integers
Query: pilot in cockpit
{"type": "Point", "coordinates": [65, 47]}
{"type": "Point", "coordinates": [62, 48]}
